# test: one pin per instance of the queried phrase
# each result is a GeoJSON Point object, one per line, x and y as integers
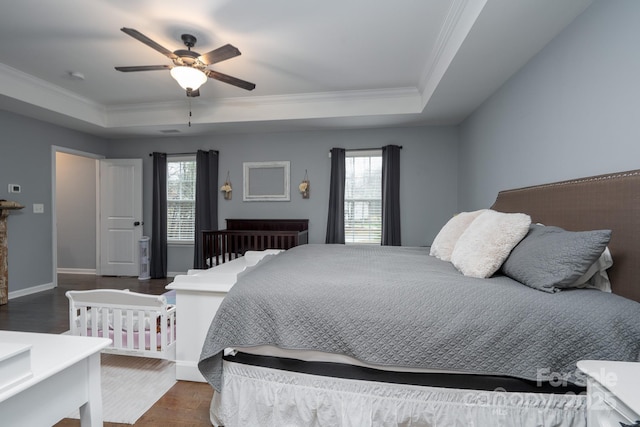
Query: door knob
{"type": "Point", "coordinates": [137, 223]}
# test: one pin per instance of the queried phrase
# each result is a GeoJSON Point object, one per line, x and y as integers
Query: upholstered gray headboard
{"type": "Point", "coordinates": [609, 201]}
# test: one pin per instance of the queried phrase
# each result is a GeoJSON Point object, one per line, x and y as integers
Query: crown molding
{"type": "Point", "coordinates": [39, 93]}
{"type": "Point", "coordinates": [360, 103]}
{"type": "Point", "coordinates": [457, 25]}
{"type": "Point", "coordinates": [285, 107]}
{"type": "Point", "coordinates": [32, 90]}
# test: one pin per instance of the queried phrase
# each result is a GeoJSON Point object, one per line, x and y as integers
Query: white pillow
{"type": "Point", "coordinates": [445, 241]}
{"type": "Point", "coordinates": [596, 276]}
{"type": "Point", "coordinates": [487, 242]}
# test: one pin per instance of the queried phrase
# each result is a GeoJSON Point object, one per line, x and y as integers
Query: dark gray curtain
{"type": "Point", "coordinates": [335, 221]}
{"type": "Point", "coordinates": [391, 195]}
{"type": "Point", "coordinates": [158, 264]}
{"type": "Point", "coordinates": [206, 200]}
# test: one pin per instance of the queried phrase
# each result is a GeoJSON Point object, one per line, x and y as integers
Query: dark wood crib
{"type": "Point", "coordinates": [243, 235]}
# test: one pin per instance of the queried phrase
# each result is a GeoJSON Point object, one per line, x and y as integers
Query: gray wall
{"type": "Point", "coordinates": [429, 185]}
{"type": "Point", "coordinates": [572, 111]}
{"type": "Point", "coordinates": [25, 159]}
{"type": "Point", "coordinates": [428, 177]}
{"type": "Point", "coordinates": [76, 211]}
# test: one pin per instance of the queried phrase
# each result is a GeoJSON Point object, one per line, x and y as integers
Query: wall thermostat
{"type": "Point", "coordinates": [14, 188]}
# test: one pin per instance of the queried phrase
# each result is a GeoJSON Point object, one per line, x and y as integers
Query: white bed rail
{"type": "Point", "coordinates": [138, 324]}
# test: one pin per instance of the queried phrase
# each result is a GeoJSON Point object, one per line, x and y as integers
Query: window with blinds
{"type": "Point", "coordinates": [363, 197]}
{"type": "Point", "coordinates": [181, 199]}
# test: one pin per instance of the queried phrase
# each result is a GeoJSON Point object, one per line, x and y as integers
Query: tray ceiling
{"type": "Point", "coordinates": [316, 65]}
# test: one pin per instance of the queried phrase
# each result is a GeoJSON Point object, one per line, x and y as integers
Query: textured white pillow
{"type": "Point", "coordinates": [487, 242]}
{"type": "Point", "coordinates": [445, 241]}
{"type": "Point", "coordinates": [596, 276]}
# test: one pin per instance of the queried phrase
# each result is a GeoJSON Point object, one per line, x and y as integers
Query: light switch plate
{"type": "Point", "coordinates": [38, 208]}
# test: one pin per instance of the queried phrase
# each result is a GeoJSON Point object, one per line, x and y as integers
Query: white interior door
{"type": "Point", "coordinates": [120, 216]}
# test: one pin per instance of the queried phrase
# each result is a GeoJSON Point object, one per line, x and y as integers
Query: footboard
{"type": "Point", "coordinates": [138, 324]}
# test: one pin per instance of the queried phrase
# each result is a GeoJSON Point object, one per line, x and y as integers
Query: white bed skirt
{"type": "Point", "coordinates": [256, 396]}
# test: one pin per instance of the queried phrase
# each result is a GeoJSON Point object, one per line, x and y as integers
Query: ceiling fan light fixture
{"type": "Point", "coordinates": [188, 77]}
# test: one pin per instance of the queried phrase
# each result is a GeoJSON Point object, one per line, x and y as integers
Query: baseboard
{"type": "Point", "coordinates": [76, 271]}
{"type": "Point", "coordinates": [188, 371]}
{"type": "Point", "coordinates": [31, 290]}
{"type": "Point", "coordinates": [93, 271]}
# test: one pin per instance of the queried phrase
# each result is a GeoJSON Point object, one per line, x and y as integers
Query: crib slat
{"type": "Point", "coordinates": [93, 316]}
{"type": "Point", "coordinates": [129, 329]}
{"type": "Point", "coordinates": [117, 328]}
{"type": "Point", "coordinates": [153, 336]}
{"type": "Point", "coordinates": [104, 326]}
{"type": "Point", "coordinates": [73, 316]}
{"type": "Point", "coordinates": [172, 331]}
{"type": "Point", "coordinates": [164, 338]}
{"type": "Point", "coordinates": [140, 344]}
{"type": "Point", "coordinates": [83, 321]}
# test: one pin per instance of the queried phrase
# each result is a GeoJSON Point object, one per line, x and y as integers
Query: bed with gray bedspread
{"type": "Point", "coordinates": [399, 307]}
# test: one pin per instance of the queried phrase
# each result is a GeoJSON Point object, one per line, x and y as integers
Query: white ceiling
{"type": "Point", "coordinates": [316, 64]}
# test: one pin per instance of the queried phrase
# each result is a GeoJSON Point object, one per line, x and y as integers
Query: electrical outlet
{"type": "Point", "coordinates": [38, 208]}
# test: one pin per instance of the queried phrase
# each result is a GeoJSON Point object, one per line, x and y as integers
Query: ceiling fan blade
{"type": "Point", "coordinates": [193, 93]}
{"type": "Point", "coordinates": [146, 40]}
{"type": "Point", "coordinates": [220, 54]}
{"type": "Point", "coordinates": [231, 80]}
{"type": "Point", "coordinates": [143, 68]}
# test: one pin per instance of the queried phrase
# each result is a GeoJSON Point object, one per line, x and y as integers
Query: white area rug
{"type": "Point", "coordinates": [131, 385]}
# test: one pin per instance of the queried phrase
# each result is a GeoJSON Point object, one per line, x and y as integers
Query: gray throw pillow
{"type": "Point", "coordinates": [551, 258]}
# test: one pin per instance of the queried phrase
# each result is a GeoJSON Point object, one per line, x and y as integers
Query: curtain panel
{"type": "Point", "coordinates": [391, 195]}
{"type": "Point", "coordinates": [206, 215]}
{"type": "Point", "coordinates": [158, 263]}
{"type": "Point", "coordinates": [335, 221]}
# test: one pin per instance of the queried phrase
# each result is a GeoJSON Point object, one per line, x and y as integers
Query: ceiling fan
{"type": "Point", "coordinates": [189, 69]}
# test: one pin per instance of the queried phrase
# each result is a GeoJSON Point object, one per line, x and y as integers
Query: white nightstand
{"type": "Point", "coordinates": [613, 393]}
{"type": "Point", "coordinates": [62, 374]}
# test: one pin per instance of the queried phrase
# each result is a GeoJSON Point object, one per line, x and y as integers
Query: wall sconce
{"type": "Point", "coordinates": [226, 188]}
{"type": "Point", "coordinates": [304, 186]}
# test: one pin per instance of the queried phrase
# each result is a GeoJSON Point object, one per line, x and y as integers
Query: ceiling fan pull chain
{"type": "Point", "coordinates": [189, 112]}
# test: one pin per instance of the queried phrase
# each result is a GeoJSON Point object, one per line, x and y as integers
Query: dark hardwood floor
{"type": "Point", "coordinates": [185, 404]}
{"type": "Point", "coordinates": [48, 311]}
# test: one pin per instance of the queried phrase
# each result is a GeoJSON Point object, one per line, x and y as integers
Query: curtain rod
{"type": "Point", "coordinates": [363, 149]}
{"type": "Point", "coordinates": [184, 154]}
{"type": "Point", "coordinates": [367, 149]}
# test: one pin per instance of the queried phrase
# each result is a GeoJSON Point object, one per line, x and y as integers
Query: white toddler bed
{"type": "Point", "coordinates": [125, 315]}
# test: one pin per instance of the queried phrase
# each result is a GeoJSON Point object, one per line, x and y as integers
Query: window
{"type": "Point", "coordinates": [181, 199]}
{"type": "Point", "coordinates": [363, 197]}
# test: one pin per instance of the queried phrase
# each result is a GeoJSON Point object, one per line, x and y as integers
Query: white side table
{"type": "Point", "coordinates": [613, 393]}
{"type": "Point", "coordinates": [65, 376]}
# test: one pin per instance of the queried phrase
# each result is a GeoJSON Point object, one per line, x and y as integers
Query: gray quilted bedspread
{"type": "Point", "coordinates": [397, 306]}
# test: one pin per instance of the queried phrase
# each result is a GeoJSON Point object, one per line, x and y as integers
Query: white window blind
{"type": "Point", "coordinates": [363, 197]}
{"type": "Point", "coordinates": [181, 199]}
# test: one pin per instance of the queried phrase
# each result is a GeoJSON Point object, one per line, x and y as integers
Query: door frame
{"type": "Point", "coordinates": [54, 238]}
